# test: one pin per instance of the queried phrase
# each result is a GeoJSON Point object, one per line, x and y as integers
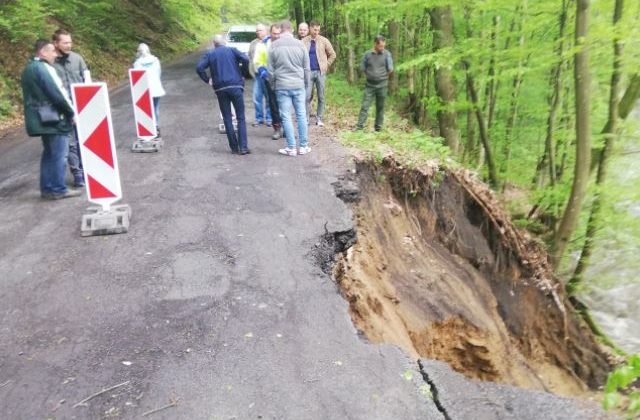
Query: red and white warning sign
{"type": "Point", "coordinates": [142, 104]}
{"type": "Point", "coordinates": [97, 144]}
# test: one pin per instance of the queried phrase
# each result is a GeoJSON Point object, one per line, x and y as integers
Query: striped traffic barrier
{"type": "Point", "coordinates": [143, 112]}
{"type": "Point", "coordinates": [98, 151]}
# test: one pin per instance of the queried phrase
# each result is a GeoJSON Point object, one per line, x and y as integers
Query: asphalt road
{"type": "Point", "coordinates": [211, 300]}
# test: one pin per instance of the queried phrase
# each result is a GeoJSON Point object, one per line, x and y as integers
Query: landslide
{"type": "Point", "coordinates": [439, 270]}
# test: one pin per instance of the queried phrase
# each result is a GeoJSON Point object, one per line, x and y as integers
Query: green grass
{"type": "Point", "coordinates": [398, 137]}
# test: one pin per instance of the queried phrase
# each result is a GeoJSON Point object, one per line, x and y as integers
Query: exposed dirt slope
{"type": "Point", "coordinates": [439, 270]}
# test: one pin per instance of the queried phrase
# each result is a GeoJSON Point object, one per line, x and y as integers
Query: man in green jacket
{"type": "Point", "coordinates": [376, 65]}
{"type": "Point", "coordinates": [42, 91]}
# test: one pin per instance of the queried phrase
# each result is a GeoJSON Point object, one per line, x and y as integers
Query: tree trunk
{"type": "Point", "coordinates": [336, 27]}
{"type": "Point", "coordinates": [626, 105]}
{"type": "Point", "coordinates": [556, 99]}
{"type": "Point", "coordinates": [325, 17]}
{"type": "Point", "coordinates": [482, 129]}
{"type": "Point", "coordinates": [423, 112]}
{"type": "Point", "coordinates": [513, 107]}
{"type": "Point", "coordinates": [442, 26]}
{"type": "Point", "coordinates": [630, 97]}
{"type": "Point", "coordinates": [470, 151]}
{"type": "Point", "coordinates": [583, 135]}
{"type": "Point", "coordinates": [307, 7]}
{"type": "Point", "coordinates": [298, 10]}
{"type": "Point", "coordinates": [490, 91]}
{"type": "Point", "coordinates": [612, 124]}
{"type": "Point", "coordinates": [512, 31]}
{"type": "Point", "coordinates": [409, 51]}
{"type": "Point", "coordinates": [567, 121]}
{"type": "Point", "coordinates": [351, 56]}
{"type": "Point", "coordinates": [394, 49]}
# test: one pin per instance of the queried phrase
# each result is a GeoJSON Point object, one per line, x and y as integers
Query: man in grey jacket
{"type": "Point", "coordinates": [71, 68]}
{"type": "Point", "coordinates": [288, 67]}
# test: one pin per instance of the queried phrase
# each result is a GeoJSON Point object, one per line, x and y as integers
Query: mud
{"type": "Point", "coordinates": [439, 270]}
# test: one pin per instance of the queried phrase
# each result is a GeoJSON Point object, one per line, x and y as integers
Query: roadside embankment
{"type": "Point", "coordinates": [439, 270]}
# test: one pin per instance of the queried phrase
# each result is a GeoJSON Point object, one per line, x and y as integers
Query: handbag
{"type": "Point", "coordinates": [48, 114]}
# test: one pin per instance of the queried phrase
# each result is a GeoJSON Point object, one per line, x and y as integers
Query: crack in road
{"type": "Point", "coordinates": [434, 391]}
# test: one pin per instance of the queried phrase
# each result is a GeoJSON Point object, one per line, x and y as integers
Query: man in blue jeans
{"type": "Point", "coordinates": [288, 67]}
{"type": "Point", "coordinates": [71, 68]}
{"type": "Point", "coordinates": [260, 98]}
{"type": "Point", "coordinates": [321, 56]}
{"type": "Point", "coordinates": [226, 78]}
{"type": "Point", "coordinates": [42, 91]}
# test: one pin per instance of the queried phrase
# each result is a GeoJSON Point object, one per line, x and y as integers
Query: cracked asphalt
{"type": "Point", "coordinates": [211, 306]}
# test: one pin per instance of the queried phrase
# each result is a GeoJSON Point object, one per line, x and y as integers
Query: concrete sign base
{"type": "Point", "coordinates": [147, 146]}
{"type": "Point", "coordinates": [106, 222]}
{"type": "Point", "coordinates": [223, 130]}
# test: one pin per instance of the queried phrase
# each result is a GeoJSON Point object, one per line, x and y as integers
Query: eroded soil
{"type": "Point", "coordinates": [439, 270]}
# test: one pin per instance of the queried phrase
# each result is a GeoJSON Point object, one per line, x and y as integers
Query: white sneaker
{"type": "Point", "coordinates": [304, 150]}
{"type": "Point", "coordinates": [288, 152]}
{"type": "Point", "coordinates": [319, 123]}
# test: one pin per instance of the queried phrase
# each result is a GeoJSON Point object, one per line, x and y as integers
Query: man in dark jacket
{"type": "Point", "coordinates": [42, 89]}
{"type": "Point", "coordinates": [226, 78]}
{"type": "Point", "coordinates": [71, 68]}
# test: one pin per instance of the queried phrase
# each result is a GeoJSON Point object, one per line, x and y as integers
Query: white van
{"type": "Point", "coordinates": [240, 37]}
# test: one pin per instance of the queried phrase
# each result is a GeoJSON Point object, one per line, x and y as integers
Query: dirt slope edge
{"type": "Point", "coordinates": [439, 269]}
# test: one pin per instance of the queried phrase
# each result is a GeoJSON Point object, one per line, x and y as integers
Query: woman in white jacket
{"type": "Point", "coordinates": [145, 60]}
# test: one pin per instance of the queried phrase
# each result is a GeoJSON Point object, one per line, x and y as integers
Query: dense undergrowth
{"type": "Point", "coordinates": [106, 33]}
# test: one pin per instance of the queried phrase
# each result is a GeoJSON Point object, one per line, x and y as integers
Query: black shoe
{"type": "Point", "coordinates": [78, 183]}
{"type": "Point", "coordinates": [378, 128]}
{"type": "Point", "coordinates": [235, 152]}
{"type": "Point", "coordinates": [244, 152]}
{"type": "Point", "coordinates": [67, 194]}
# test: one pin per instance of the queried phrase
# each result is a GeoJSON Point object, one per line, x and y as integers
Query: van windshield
{"type": "Point", "coordinates": [241, 36]}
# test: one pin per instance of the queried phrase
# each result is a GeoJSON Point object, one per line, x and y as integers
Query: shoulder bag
{"type": "Point", "coordinates": [48, 114]}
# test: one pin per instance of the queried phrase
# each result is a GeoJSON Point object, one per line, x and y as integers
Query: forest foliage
{"type": "Point", "coordinates": [512, 116]}
{"type": "Point", "coordinates": [107, 32]}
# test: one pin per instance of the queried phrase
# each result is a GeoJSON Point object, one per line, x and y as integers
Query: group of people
{"type": "Point", "coordinates": [48, 111]}
{"type": "Point", "coordinates": [284, 69]}
{"type": "Point", "coordinates": [286, 72]}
